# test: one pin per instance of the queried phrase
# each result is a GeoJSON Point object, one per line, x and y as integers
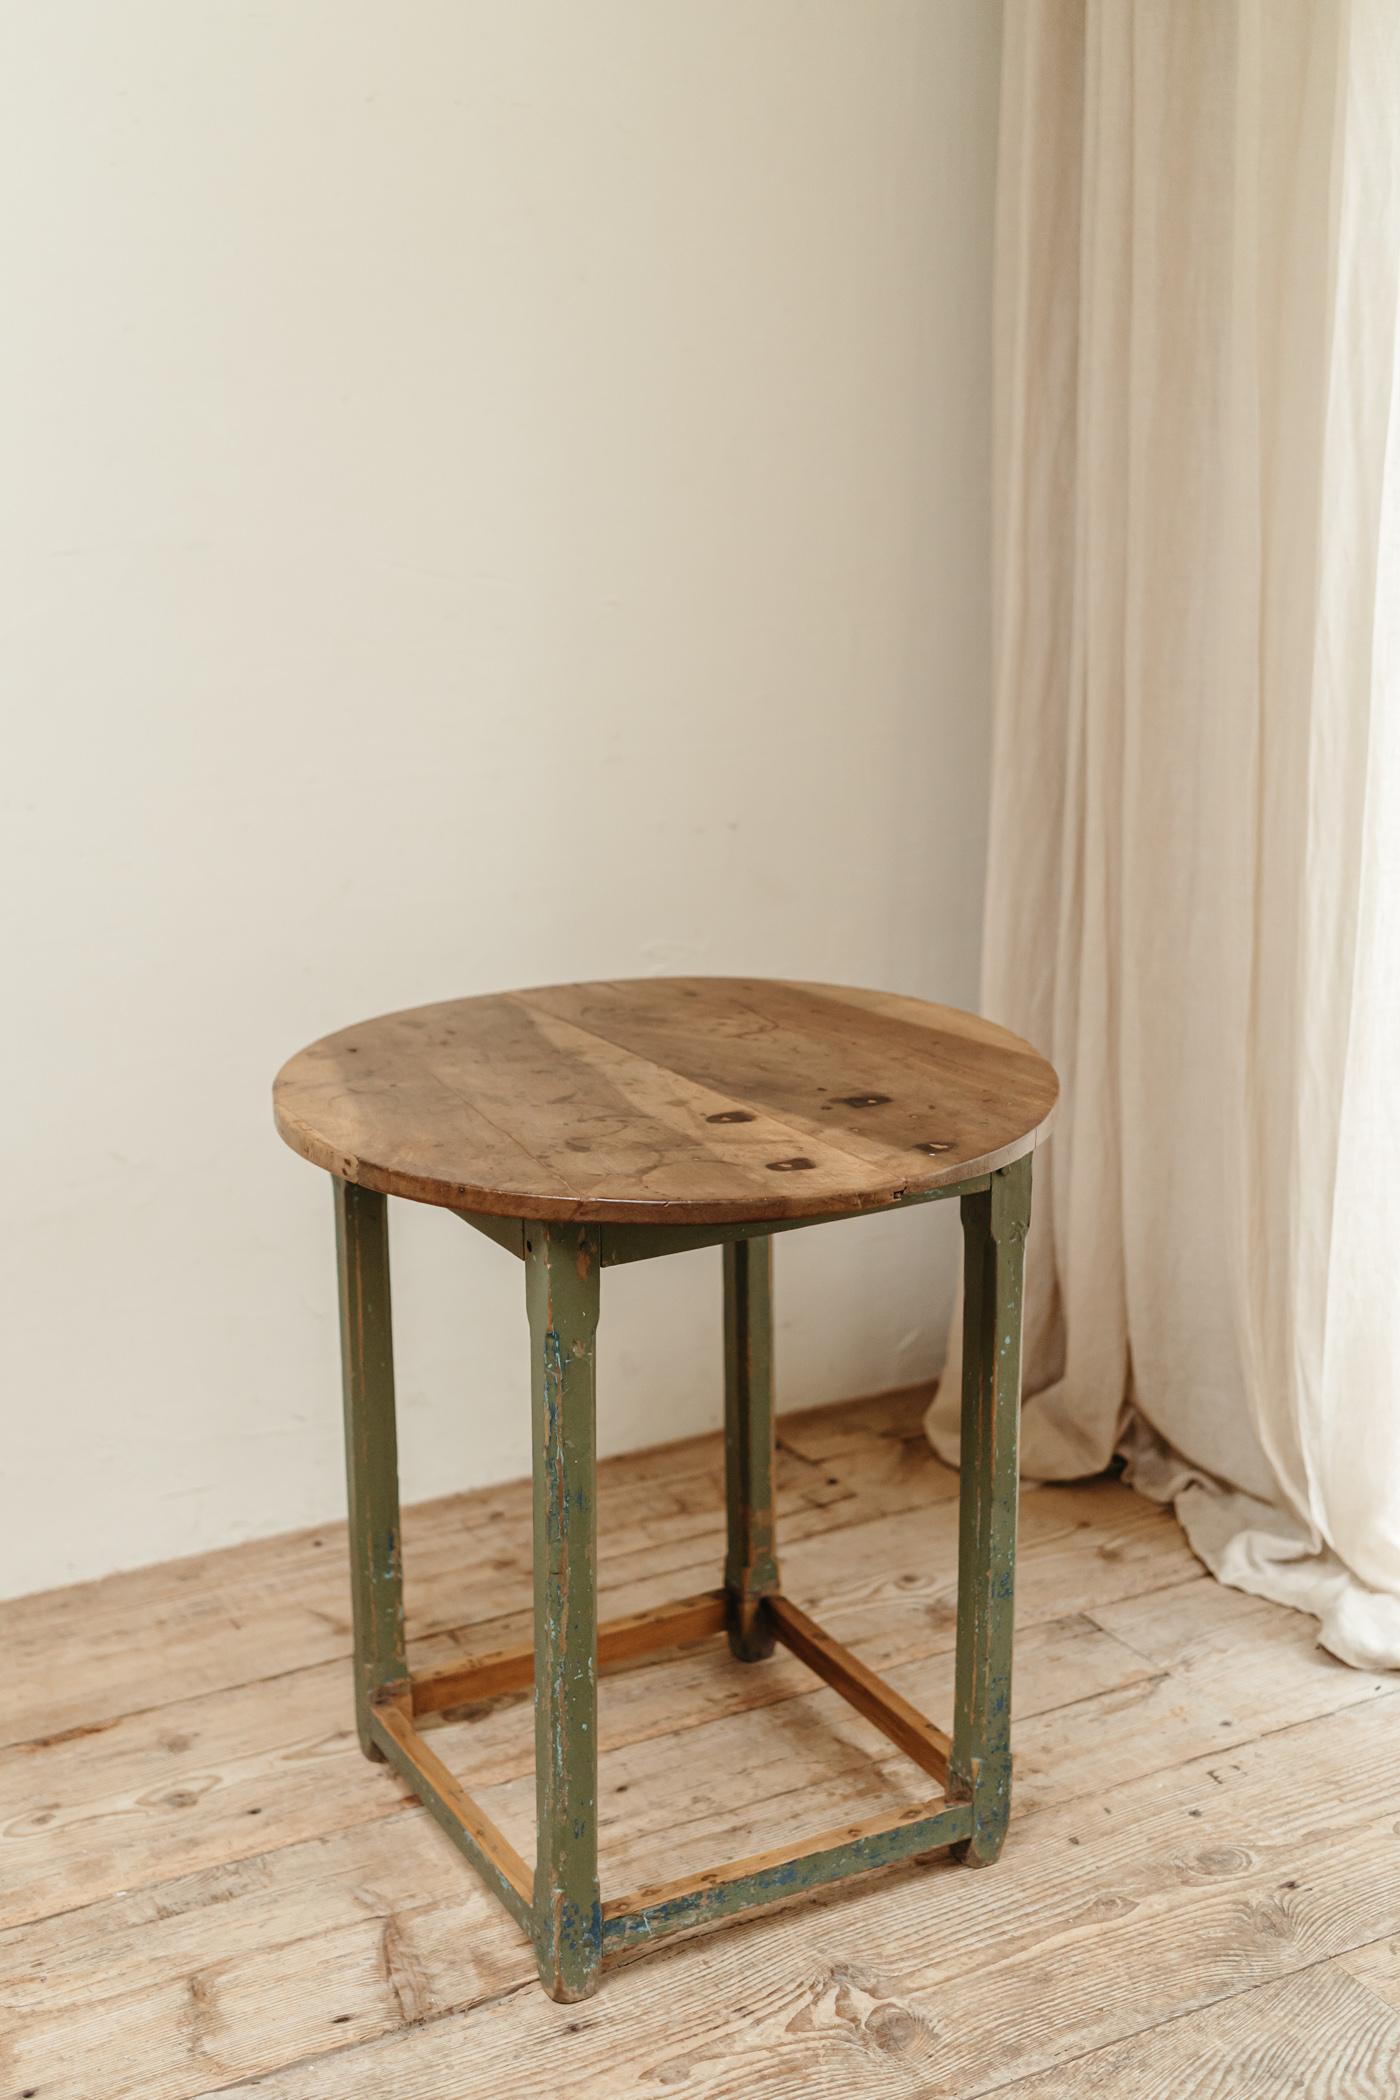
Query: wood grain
{"type": "Point", "coordinates": [685, 1101]}
{"type": "Point", "coordinates": [1317, 2036]}
{"type": "Point", "coordinates": [1062, 1974]}
{"type": "Point", "coordinates": [915, 1734]}
{"type": "Point", "coordinates": [391, 1908]}
{"type": "Point", "coordinates": [275, 1605]}
{"type": "Point", "coordinates": [776, 1875]}
{"type": "Point", "coordinates": [512, 1669]}
{"type": "Point", "coordinates": [169, 1789]}
{"type": "Point", "coordinates": [423, 1768]}
{"type": "Point", "coordinates": [218, 1890]}
{"type": "Point", "coordinates": [1377, 1965]}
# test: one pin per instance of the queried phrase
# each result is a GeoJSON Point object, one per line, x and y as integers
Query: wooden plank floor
{"type": "Point", "coordinates": [205, 1889]}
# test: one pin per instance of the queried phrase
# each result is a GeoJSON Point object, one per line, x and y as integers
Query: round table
{"type": "Point", "coordinates": [584, 1125]}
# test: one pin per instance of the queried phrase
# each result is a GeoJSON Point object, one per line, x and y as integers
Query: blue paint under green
{"type": "Point", "coordinates": [563, 1265]}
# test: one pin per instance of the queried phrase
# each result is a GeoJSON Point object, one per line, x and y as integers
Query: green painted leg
{"type": "Point", "coordinates": [994, 1239]}
{"type": "Point", "coordinates": [562, 1271]}
{"type": "Point", "coordinates": [750, 1569]}
{"type": "Point", "coordinates": [371, 1449]}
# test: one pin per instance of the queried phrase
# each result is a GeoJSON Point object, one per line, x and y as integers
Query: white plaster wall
{"type": "Point", "coordinates": [491, 493]}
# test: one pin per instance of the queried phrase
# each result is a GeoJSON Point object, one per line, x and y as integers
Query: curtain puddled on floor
{"type": "Point", "coordinates": [1194, 895]}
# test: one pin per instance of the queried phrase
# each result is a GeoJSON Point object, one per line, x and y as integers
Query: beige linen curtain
{"type": "Point", "coordinates": [1194, 894]}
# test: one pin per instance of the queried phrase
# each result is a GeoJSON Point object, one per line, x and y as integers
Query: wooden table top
{"type": "Point", "coordinates": [666, 1100]}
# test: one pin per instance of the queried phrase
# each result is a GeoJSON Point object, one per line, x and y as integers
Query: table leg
{"type": "Point", "coordinates": [995, 1221]}
{"type": "Point", "coordinates": [563, 1269]}
{"type": "Point", "coordinates": [371, 1450]}
{"type": "Point", "coordinates": [750, 1568]}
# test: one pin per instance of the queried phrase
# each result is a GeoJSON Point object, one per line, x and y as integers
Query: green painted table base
{"type": "Point", "coordinates": [558, 1902]}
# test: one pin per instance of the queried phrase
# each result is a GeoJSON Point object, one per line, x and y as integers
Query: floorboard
{"type": "Point", "coordinates": [205, 1889]}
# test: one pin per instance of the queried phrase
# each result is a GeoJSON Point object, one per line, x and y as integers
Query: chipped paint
{"type": "Point", "coordinates": [995, 1224]}
{"type": "Point", "coordinates": [716, 1896]}
{"type": "Point", "coordinates": [750, 1567]}
{"type": "Point", "coordinates": [563, 1266]}
{"type": "Point", "coordinates": [562, 1275]}
{"type": "Point", "coordinates": [371, 1452]}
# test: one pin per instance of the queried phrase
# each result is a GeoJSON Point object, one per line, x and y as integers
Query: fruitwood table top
{"type": "Point", "coordinates": [666, 1100]}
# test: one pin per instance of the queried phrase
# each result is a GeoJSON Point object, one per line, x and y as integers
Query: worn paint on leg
{"type": "Point", "coordinates": [995, 1223]}
{"type": "Point", "coordinates": [562, 1272]}
{"type": "Point", "coordinates": [750, 1567]}
{"type": "Point", "coordinates": [371, 1451]}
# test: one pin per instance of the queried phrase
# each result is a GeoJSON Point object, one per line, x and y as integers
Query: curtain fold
{"type": "Point", "coordinates": [1193, 900]}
